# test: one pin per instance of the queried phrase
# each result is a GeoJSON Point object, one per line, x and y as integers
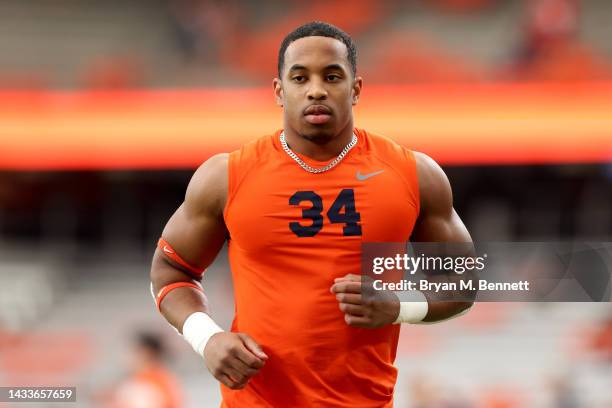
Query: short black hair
{"type": "Point", "coordinates": [320, 29]}
{"type": "Point", "coordinates": [152, 342]}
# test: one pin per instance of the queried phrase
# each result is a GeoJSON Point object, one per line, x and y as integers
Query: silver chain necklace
{"type": "Point", "coordinates": [317, 170]}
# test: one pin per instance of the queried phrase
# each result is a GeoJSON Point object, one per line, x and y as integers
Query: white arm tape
{"type": "Point", "coordinates": [198, 329]}
{"type": "Point", "coordinates": [413, 312]}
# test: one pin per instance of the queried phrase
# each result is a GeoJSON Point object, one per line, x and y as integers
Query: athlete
{"type": "Point", "coordinates": [149, 382]}
{"type": "Point", "coordinates": [294, 207]}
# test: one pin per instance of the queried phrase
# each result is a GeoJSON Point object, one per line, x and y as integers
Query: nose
{"type": "Point", "coordinates": [317, 90]}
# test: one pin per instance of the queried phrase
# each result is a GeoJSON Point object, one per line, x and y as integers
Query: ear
{"type": "Point", "coordinates": [356, 91]}
{"type": "Point", "coordinates": [278, 91]}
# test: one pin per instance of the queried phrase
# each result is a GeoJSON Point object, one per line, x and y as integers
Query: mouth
{"type": "Point", "coordinates": [317, 114]}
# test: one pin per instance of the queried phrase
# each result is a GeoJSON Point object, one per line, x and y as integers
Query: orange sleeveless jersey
{"type": "Point", "coordinates": [291, 234]}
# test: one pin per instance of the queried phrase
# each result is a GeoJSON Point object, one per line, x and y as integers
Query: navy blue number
{"type": "Point", "coordinates": [345, 200]}
{"type": "Point", "coordinates": [313, 213]}
{"type": "Point", "coordinates": [350, 217]}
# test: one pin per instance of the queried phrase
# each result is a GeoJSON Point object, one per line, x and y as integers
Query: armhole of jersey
{"type": "Point", "coordinates": [413, 177]}
{"type": "Point", "coordinates": [232, 175]}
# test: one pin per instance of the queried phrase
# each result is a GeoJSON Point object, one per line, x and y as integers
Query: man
{"type": "Point", "coordinates": [295, 207]}
{"type": "Point", "coordinates": [150, 384]}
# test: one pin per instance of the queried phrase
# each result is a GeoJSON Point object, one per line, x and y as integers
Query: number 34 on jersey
{"type": "Point", "coordinates": [342, 211]}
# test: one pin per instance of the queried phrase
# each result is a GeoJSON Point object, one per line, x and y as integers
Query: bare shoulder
{"type": "Point", "coordinates": [207, 190]}
{"type": "Point", "coordinates": [434, 187]}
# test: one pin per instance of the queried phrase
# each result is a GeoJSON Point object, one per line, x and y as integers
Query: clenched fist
{"type": "Point", "coordinates": [370, 312]}
{"type": "Point", "coordinates": [233, 358]}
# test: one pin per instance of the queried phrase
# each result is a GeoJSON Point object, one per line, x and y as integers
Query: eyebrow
{"type": "Point", "coordinates": [297, 67]}
{"type": "Point", "coordinates": [334, 66]}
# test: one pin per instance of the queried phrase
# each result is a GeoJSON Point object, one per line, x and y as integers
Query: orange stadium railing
{"type": "Point", "coordinates": [527, 123]}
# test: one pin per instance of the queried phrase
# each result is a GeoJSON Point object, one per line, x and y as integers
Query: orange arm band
{"type": "Point", "coordinates": [169, 288]}
{"type": "Point", "coordinates": [168, 251]}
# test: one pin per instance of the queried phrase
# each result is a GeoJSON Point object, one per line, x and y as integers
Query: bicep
{"type": "Point", "coordinates": [440, 228]}
{"type": "Point", "coordinates": [196, 238]}
{"type": "Point", "coordinates": [196, 231]}
{"type": "Point", "coordinates": [438, 221]}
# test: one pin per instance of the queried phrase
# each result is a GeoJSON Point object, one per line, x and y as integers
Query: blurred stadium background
{"type": "Point", "coordinates": [106, 108]}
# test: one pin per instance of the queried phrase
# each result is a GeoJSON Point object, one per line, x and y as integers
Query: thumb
{"type": "Point", "coordinates": [252, 346]}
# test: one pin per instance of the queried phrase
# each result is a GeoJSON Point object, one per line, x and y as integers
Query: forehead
{"type": "Point", "coordinates": [316, 52]}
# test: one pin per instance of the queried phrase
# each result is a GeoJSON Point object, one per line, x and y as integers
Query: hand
{"type": "Point", "coordinates": [365, 312]}
{"type": "Point", "coordinates": [233, 358]}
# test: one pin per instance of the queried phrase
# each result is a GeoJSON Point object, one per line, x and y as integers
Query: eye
{"type": "Point", "coordinates": [332, 77]}
{"type": "Point", "coordinates": [298, 78]}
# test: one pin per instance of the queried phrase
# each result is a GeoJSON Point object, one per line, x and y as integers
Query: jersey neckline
{"type": "Point", "coordinates": [316, 163]}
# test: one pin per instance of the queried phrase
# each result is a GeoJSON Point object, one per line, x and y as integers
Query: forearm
{"type": "Point", "coordinates": [438, 311]}
{"type": "Point", "coordinates": [181, 302]}
{"type": "Point", "coordinates": [444, 305]}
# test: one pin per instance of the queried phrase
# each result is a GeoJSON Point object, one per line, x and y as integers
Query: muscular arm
{"type": "Point", "coordinates": [438, 222]}
{"type": "Point", "coordinates": [196, 232]}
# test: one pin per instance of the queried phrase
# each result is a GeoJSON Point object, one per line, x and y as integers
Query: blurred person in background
{"type": "Point", "coordinates": [563, 391]}
{"type": "Point", "coordinates": [149, 383]}
{"type": "Point", "coordinates": [550, 24]}
{"type": "Point", "coordinates": [601, 341]}
{"type": "Point", "coordinates": [204, 27]}
{"type": "Point", "coordinates": [551, 49]}
{"type": "Point", "coordinates": [427, 392]}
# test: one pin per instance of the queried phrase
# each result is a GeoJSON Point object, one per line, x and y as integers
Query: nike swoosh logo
{"type": "Point", "coordinates": [168, 250]}
{"type": "Point", "coordinates": [362, 177]}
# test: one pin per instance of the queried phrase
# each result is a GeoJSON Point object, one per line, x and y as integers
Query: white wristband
{"type": "Point", "coordinates": [198, 329]}
{"type": "Point", "coordinates": [413, 312]}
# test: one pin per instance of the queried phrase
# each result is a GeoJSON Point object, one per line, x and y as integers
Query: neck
{"type": "Point", "coordinates": [319, 151]}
